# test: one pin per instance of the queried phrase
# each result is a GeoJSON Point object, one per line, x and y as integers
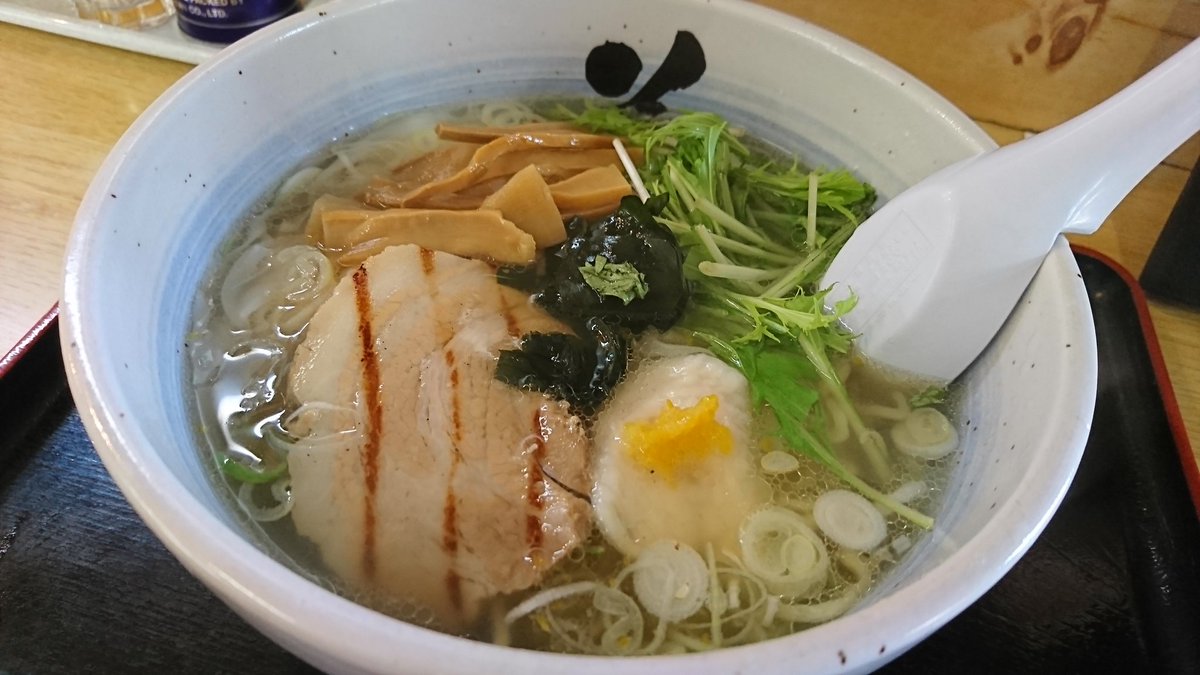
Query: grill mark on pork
{"type": "Point", "coordinates": [450, 543]}
{"type": "Point", "coordinates": [510, 321]}
{"type": "Point", "coordinates": [370, 386]}
{"type": "Point", "coordinates": [535, 488]}
{"type": "Point", "coordinates": [427, 262]}
{"type": "Point", "coordinates": [450, 528]}
{"type": "Point", "coordinates": [456, 433]}
{"type": "Point", "coordinates": [450, 510]}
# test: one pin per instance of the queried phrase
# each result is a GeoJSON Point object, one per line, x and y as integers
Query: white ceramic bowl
{"type": "Point", "coordinates": [216, 142]}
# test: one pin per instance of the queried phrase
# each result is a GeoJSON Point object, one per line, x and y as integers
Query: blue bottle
{"type": "Point", "coordinates": [228, 20]}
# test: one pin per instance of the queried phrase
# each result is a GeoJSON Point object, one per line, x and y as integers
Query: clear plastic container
{"type": "Point", "coordinates": [126, 13]}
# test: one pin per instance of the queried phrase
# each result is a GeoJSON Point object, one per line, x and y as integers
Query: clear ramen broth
{"type": "Point", "coordinates": [725, 485]}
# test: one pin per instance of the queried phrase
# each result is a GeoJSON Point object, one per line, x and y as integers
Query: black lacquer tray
{"type": "Point", "coordinates": [1112, 586]}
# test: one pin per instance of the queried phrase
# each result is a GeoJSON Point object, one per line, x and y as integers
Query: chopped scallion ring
{"type": "Point", "coordinates": [784, 552]}
{"type": "Point", "coordinates": [850, 520]}
{"type": "Point", "coordinates": [925, 434]}
{"type": "Point", "coordinates": [670, 579]}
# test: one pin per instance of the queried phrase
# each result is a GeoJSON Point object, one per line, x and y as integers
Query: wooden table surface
{"type": "Point", "coordinates": [1015, 66]}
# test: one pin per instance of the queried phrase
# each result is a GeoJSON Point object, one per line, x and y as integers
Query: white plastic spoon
{"type": "Point", "coordinates": [939, 268]}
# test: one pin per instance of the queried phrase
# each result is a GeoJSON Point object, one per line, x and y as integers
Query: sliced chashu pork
{"type": "Point", "coordinates": [451, 489]}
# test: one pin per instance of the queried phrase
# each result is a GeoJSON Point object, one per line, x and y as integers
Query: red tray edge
{"type": "Point", "coordinates": [27, 341]}
{"type": "Point", "coordinates": [1166, 392]}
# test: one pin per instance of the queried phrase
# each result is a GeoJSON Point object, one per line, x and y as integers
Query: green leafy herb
{"type": "Point", "coordinates": [620, 280]}
{"type": "Point", "coordinates": [928, 397]}
{"type": "Point", "coordinates": [789, 385]}
{"type": "Point", "coordinates": [251, 474]}
{"type": "Point", "coordinates": [758, 235]}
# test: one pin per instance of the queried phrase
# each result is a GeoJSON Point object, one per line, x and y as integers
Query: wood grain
{"type": "Point", "coordinates": [967, 50]}
{"type": "Point", "coordinates": [64, 104]}
{"type": "Point", "coordinates": [1015, 66]}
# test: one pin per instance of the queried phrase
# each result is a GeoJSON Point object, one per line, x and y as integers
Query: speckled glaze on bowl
{"type": "Point", "coordinates": [215, 143]}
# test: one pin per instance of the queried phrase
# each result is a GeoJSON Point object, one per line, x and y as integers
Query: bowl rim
{"type": "Point", "coordinates": [279, 601]}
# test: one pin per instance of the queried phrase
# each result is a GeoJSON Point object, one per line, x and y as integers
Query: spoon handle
{"type": "Point", "coordinates": [1097, 158]}
{"type": "Point", "coordinates": [938, 268]}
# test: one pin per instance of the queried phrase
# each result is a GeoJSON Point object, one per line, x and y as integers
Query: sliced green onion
{"type": "Point", "coordinates": [670, 579]}
{"type": "Point", "coordinates": [925, 434]}
{"type": "Point", "coordinates": [246, 474]}
{"type": "Point", "coordinates": [850, 520]}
